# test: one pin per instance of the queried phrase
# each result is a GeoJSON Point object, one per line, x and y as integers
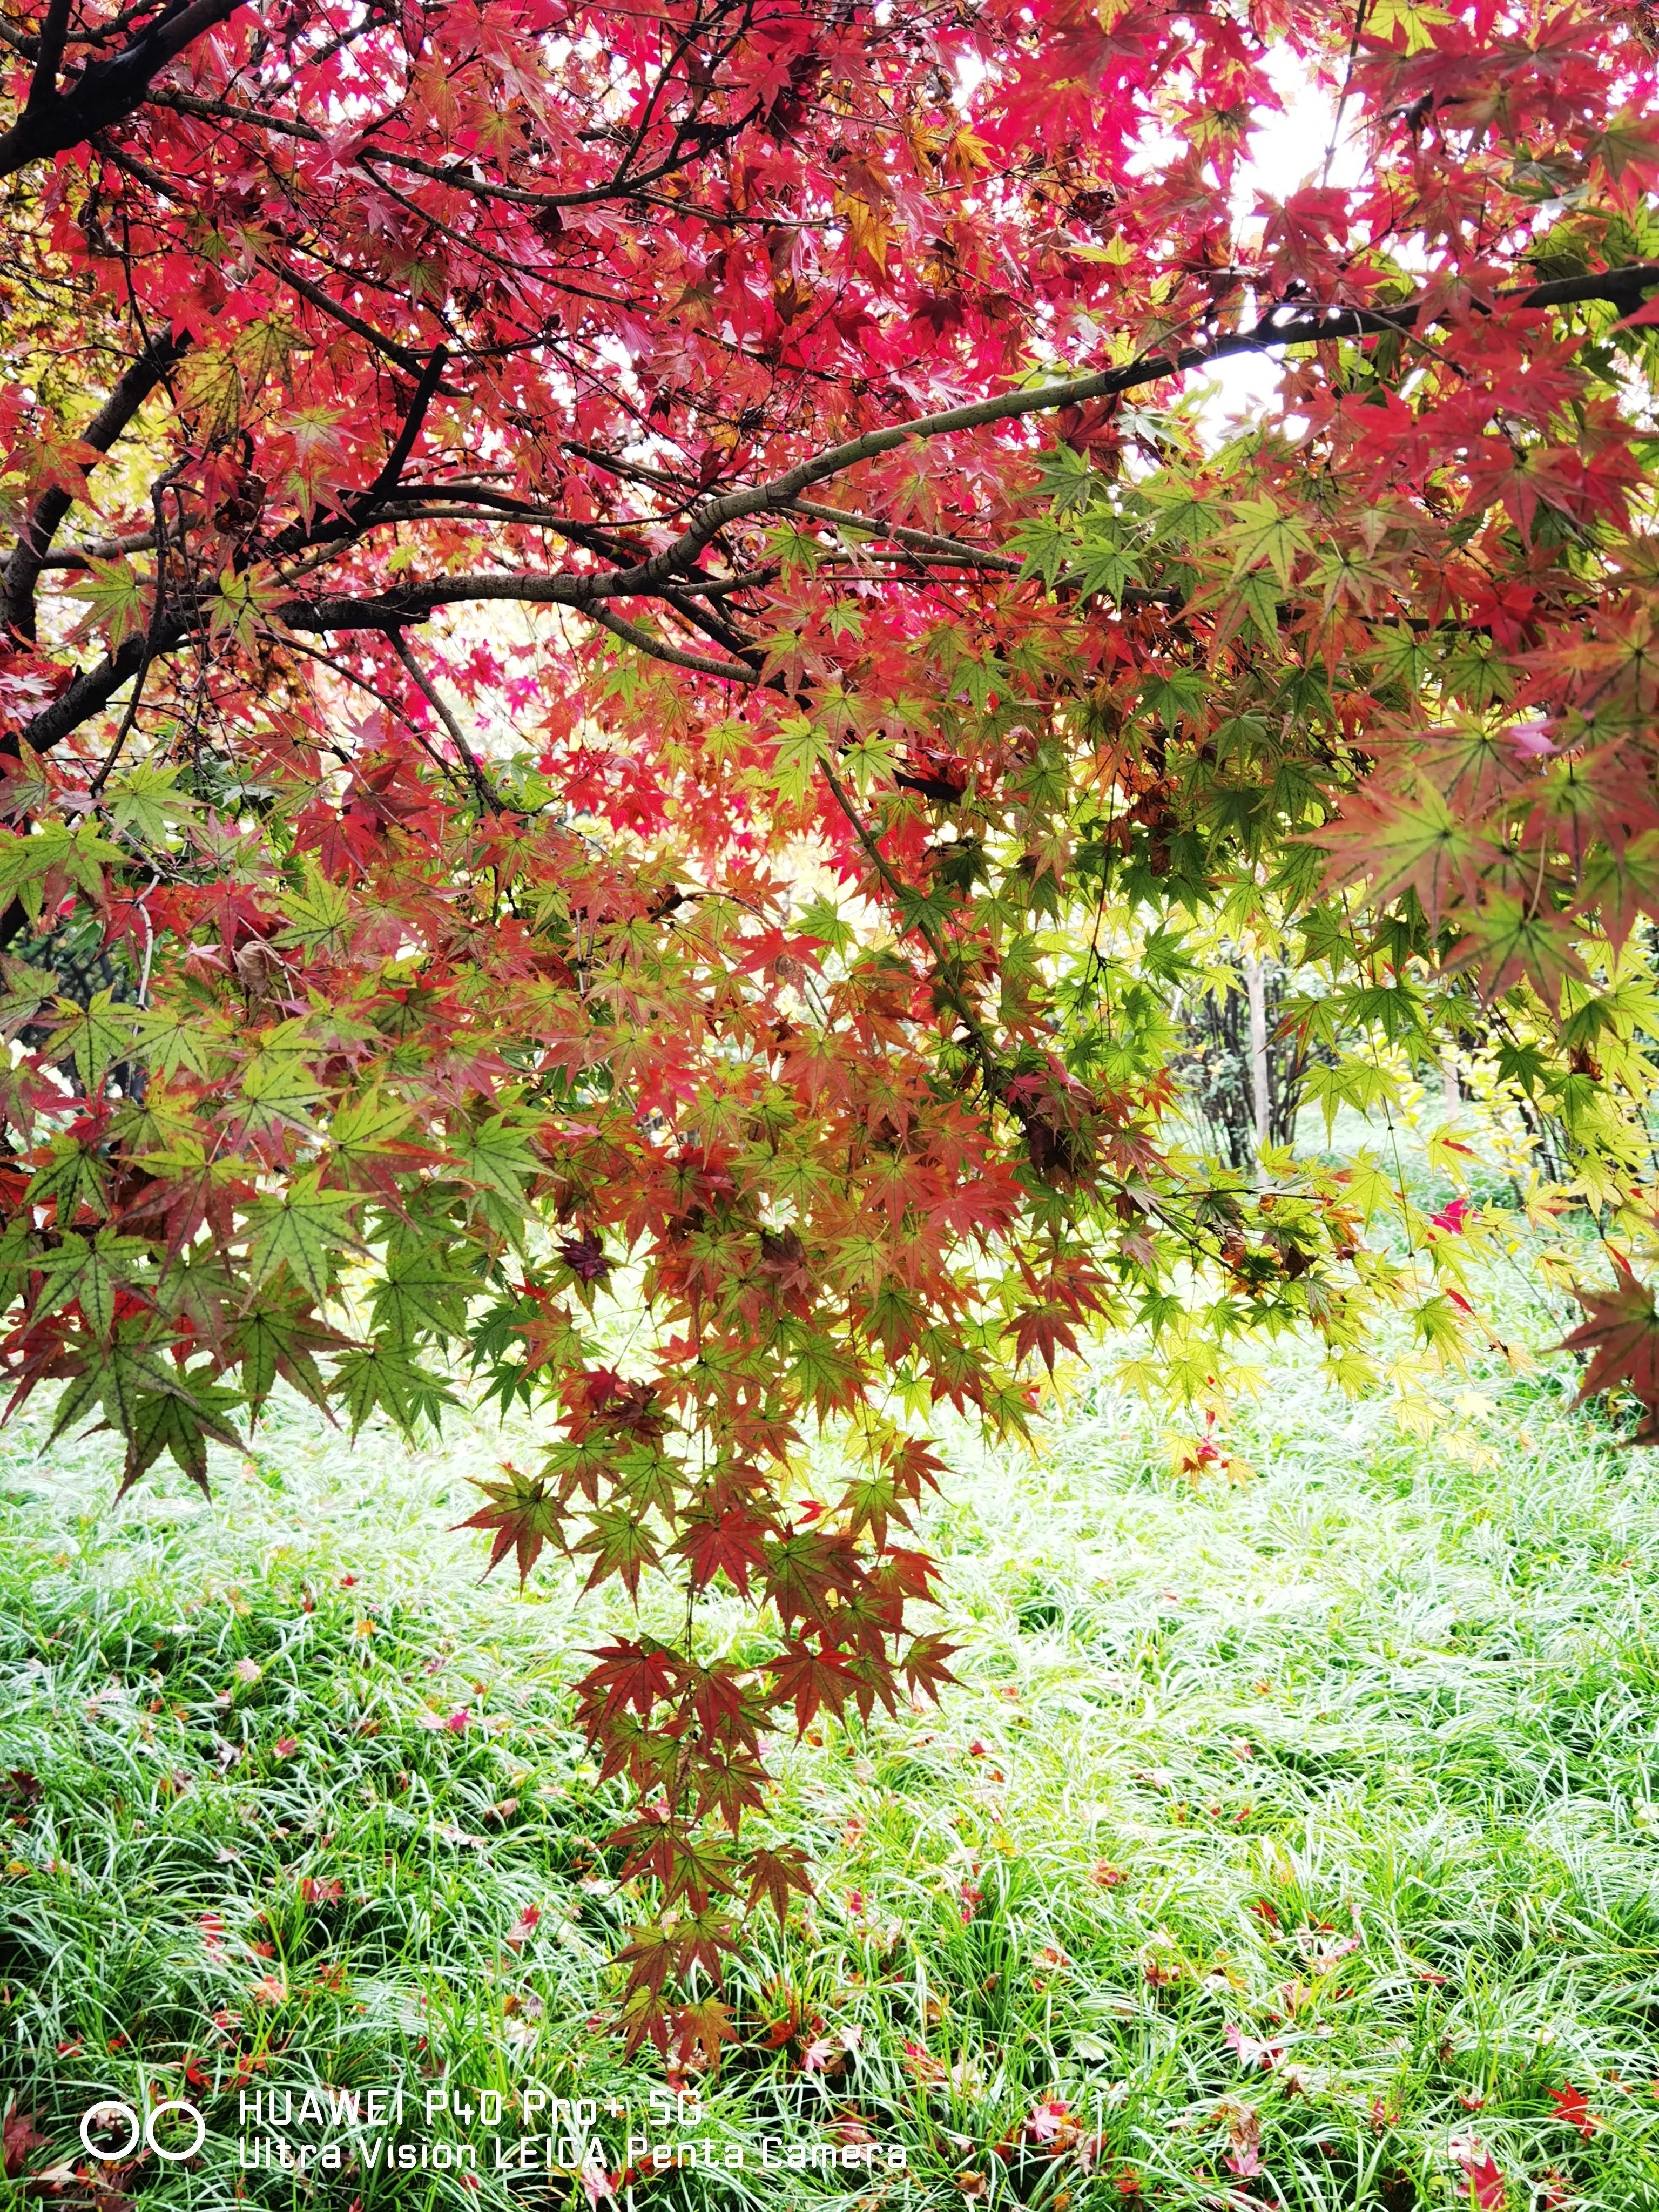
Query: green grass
{"type": "Point", "coordinates": [1357, 1762]}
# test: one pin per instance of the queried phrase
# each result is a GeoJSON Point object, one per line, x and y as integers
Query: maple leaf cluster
{"type": "Point", "coordinates": [633, 685]}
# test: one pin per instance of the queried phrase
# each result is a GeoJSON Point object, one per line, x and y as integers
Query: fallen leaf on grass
{"type": "Point", "coordinates": [1573, 2106]}
{"type": "Point", "coordinates": [1481, 2171]}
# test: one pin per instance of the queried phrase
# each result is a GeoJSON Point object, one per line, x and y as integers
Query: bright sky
{"type": "Point", "coordinates": [1289, 151]}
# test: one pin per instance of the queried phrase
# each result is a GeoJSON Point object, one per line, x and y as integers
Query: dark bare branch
{"type": "Point", "coordinates": [674, 578]}
{"type": "Point", "coordinates": [1297, 325]}
{"type": "Point", "coordinates": [465, 176]}
{"type": "Point", "coordinates": [134, 386]}
{"type": "Point", "coordinates": [106, 91]}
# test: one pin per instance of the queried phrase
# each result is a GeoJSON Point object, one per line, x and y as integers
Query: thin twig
{"type": "Point", "coordinates": [488, 797]}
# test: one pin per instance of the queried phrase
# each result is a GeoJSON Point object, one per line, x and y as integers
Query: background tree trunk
{"type": "Point", "coordinates": [1255, 992]}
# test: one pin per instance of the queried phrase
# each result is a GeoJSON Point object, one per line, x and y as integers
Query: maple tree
{"type": "Point", "coordinates": [632, 676]}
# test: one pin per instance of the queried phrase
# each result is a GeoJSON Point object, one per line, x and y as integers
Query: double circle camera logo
{"type": "Point", "coordinates": [115, 2114]}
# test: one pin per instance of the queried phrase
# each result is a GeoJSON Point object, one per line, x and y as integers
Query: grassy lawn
{"type": "Point", "coordinates": [1291, 1843]}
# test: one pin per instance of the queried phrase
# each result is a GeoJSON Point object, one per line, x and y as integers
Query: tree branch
{"type": "Point", "coordinates": [48, 59]}
{"type": "Point", "coordinates": [386, 482]}
{"type": "Point", "coordinates": [919, 541]}
{"type": "Point", "coordinates": [672, 576]}
{"type": "Point", "coordinates": [1283, 326]}
{"type": "Point", "coordinates": [405, 356]}
{"type": "Point", "coordinates": [135, 384]}
{"type": "Point", "coordinates": [462, 176]}
{"type": "Point", "coordinates": [485, 790]}
{"type": "Point", "coordinates": [728, 672]}
{"type": "Point", "coordinates": [106, 91]}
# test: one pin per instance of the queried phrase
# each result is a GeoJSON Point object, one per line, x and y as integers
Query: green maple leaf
{"type": "Point", "coordinates": [1107, 564]}
{"type": "Point", "coordinates": [418, 1292]}
{"type": "Point", "coordinates": [521, 1517]}
{"type": "Point", "coordinates": [1067, 480]}
{"type": "Point", "coordinates": [144, 802]}
{"type": "Point", "coordinates": [870, 1502]}
{"type": "Point", "coordinates": [271, 1340]}
{"type": "Point", "coordinates": [86, 1272]}
{"type": "Point", "coordinates": [1414, 17]}
{"type": "Point", "coordinates": [1263, 535]}
{"type": "Point", "coordinates": [801, 745]}
{"type": "Point", "coordinates": [982, 676]}
{"type": "Point", "coordinates": [1180, 516]}
{"type": "Point", "coordinates": [80, 852]}
{"type": "Point", "coordinates": [182, 1427]}
{"type": "Point", "coordinates": [1179, 695]}
{"type": "Point", "coordinates": [1258, 592]}
{"type": "Point", "coordinates": [237, 605]}
{"type": "Point", "coordinates": [824, 1372]}
{"type": "Point", "coordinates": [1045, 546]}
{"type": "Point", "coordinates": [1436, 1321]}
{"type": "Point", "coordinates": [319, 916]}
{"type": "Point", "coordinates": [1352, 1082]}
{"type": "Point", "coordinates": [497, 1156]}
{"type": "Point", "coordinates": [18, 1258]}
{"type": "Point", "coordinates": [647, 1480]}
{"type": "Point", "coordinates": [704, 2026]}
{"type": "Point", "coordinates": [117, 600]}
{"type": "Point", "coordinates": [620, 1545]}
{"type": "Point", "coordinates": [72, 1177]}
{"type": "Point", "coordinates": [118, 1377]}
{"type": "Point", "coordinates": [174, 1040]}
{"type": "Point", "coordinates": [367, 1142]}
{"type": "Point", "coordinates": [95, 1036]}
{"type": "Point", "coordinates": [382, 1376]}
{"type": "Point", "coordinates": [279, 1083]}
{"type": "Point", "coordinates": [301, 1231]}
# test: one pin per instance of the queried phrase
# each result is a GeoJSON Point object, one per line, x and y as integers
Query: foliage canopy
{"type": "Point", "coordinates": [761, 920]}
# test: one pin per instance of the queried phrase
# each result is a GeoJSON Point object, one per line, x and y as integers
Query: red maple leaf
{"type": "Point", "coordinates": [774, 1875]}
{"type": "Point", "coordinates": [520, 1516]}
{"type": "Point", "coordinates": [1621, 1336]}
{"type": "Point", "coordinates": [730, 1545]}
{"type": "Point", "coordinates": [1573, 2106]}
{"type": "Point", "coordinates": [19, 2138]}
{"type": "Point", "coordinates": [1482, 2173]}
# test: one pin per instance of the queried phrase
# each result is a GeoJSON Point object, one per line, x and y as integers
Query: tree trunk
{"type": "Point", "coordinates": [1450, 1093]}
{"type": "Point", "coordinates": [1256, 992]}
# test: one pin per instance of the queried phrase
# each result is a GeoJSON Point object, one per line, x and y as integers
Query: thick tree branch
{"type": "Point", "coordinates": [673, 576]}
{"type": "Point", "coordinates": [134, 386]}
{"type": "Point", "coordinates": [1283, 326]}
{"type": "Point", "coordinates": [48, 59]}
{"type": "Point", "coordinates": [106, 91]}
